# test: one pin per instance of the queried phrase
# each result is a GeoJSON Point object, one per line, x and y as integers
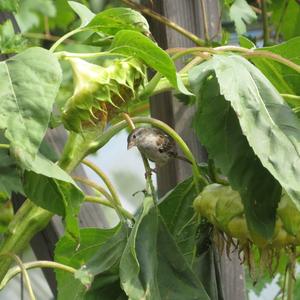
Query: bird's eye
{"type": "Point", "coordinates": [134, 136]}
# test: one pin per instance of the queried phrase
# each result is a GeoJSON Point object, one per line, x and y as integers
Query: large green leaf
{"type": "Point", "coordinates": [135, 44]}
{"type": "Point", "coordinates": [285, 79]}
{"type": "Point", "coordinates": [218, 128]}
{"type": "Point", "coordinates": [29, 83]}
{"type": "Point", "coordinates": [241, 14]}
{"type": "Point", "coordinates": [67, 252]}
{"type": "Point", "coordinates": [112, 20]}
{"type": "Point", "coordinates": [271, 127]}
{"type": "Point", "coordinates": [50, 187]}
{"type": "Point", "coordinates": [138, 267]}
{"type": "Point", "coordinates": [152, 266]}
{"type": "Point", "coordinates": [177, 211]}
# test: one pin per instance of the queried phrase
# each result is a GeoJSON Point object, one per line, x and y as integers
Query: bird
{"type": "Point", "coordinates": [155, 144]}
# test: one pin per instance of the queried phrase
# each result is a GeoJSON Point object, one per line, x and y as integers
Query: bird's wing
{"type": "Point", "coordinates": [166, 144]}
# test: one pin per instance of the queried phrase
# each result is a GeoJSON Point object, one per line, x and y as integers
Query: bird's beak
{"type": "Point", "coordinates": [130, 145]}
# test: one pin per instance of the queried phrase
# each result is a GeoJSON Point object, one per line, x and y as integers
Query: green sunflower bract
{"type": "Point", "coordinates": [222, 206]}
{"type": "Point", "coordinates": [101, 90]}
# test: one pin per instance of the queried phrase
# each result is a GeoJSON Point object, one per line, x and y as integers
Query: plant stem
{"type": "Point", "coordinates": [291, 275]}
{"type": "Point", "coordinates": [273, 56]}
{"type": "Point", "coordinates": [291, 99]}
{"type": "Point", "coordinates": [64, 37]}
{"type": "Point", "coordinates": [30, 218]}
{"type": "Point", "coordinates": [4, 146]}
{"type": "Point", "coordinates": [24, 273]}
{"type": "Point", "coordinates": [93, 185]}
{"type": "Point", "coordinates": [98, 200]}
{"type": "Point", "coordinates": [165, 21]}
{"type": "Point", "coordinates": [115, 198]}
{"type": "Point", "coordinates": [35, 264]}
{"type": "Point", "coordinates": [265, 22]}
{"type": "Point", "coordinates": [205, 23]}
{"type": "Point", "coordinates": [66, 55]}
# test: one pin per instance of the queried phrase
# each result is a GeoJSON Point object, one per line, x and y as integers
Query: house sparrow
{"type": "Point", "coordinates": [155, 144]}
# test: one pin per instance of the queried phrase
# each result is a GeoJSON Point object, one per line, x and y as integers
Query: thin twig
{"type": "Point", "coordinates": [31, 265]}
{"type": "Point", "coordinates": [165, 21]}
{"type": "Point", "coordinates": [24, 273]}
{"type": "Point", "coordinates": [205, 23]}
{"type": "Point", "coordinates": [41, 36]}
{"type": "Point", "coordinates": [98, 200]}
{"type": "Point", "coordinates": [4, 146]}
{"type": "Point", "coordinates": [93, 185]}
{"type": "Point", "coordinates": [108, 183]}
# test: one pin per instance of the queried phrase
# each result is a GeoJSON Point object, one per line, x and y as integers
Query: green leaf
{"type": "Point", "coordinates": [276, 134]}
{"type": "Point", "coordinates": [62, 195]}
{"type": "Point", "coordinates": [113, 20]}
{"type": "Point", "coordinates": [285, 79]}
{"type": "Point", "coordinates": [152, 266]}
{"type": "Point", "coordinates": [246, 43]}
{"type": "Point", "coordinates": [218, 128]}
{"type": "Point", "coordinates": [176, 279]}
{"type": "Point", "coordinates": [135, 44]}
{"type": "Point", "coordinates": [83, 12]}
{"type": "Point", "coordinates": [9, 5]}
{"type": "Point", "coordinates": [67, 252]}
{"type": "Point", "coordinates": [138, 267]}
{"type": "Point", "coordinates": [286, 19]}
{"type": "Point", "coordinates": [10, 174]}
{"type": "Point", "coordinates": [108, 256]}
{"type": "Point", "coordinates": [241, 14]}
{"type": "Point", "coordinates": [176, 208]}
{"type": "Point", "coordinates": [29, 83]}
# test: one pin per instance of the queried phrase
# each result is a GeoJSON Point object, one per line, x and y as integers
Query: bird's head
{"type": "Point", "coordinates": [134, 137]}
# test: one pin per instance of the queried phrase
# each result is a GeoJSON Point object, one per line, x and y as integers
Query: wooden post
{"type": "Point", "coordinates": [188, 14]}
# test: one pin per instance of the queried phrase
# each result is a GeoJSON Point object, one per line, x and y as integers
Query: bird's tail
{"type": "Point", "coordinates": [184, 159]}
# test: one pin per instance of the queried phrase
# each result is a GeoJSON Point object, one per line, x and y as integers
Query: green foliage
{"type": "Point", "coordinates": [286, 18]}
{"type": "Point", "coordinates": [112, 20]}
{"type": "Point", "coordinates": [63, 197]}
{"type": "Point", "coordinates": [178, 213]}
{"type": "Point", "coordinates": [218, 129]}
{"type": "Point", "coordinates": [255, 103]}
{"type": "Point", "coordinates": [9, 41]}
{"type": "Point", "coordinates": [28, 15]}
{"type": "Point", "coordinates": [83, 12]}
{"type": "Point", "coordinates": [9, 5]}
{"type": "Point", "coordinates": [285, 79]}
{"type": "Point", "coordinates": [241, 14]}
{"type": "Point", "coordinates": [135, 44]}
{"type": "Point", "coordinates": [68, 252]}
{"type": "Point", "coordinates": [150, 254]}
{"type": "Point", "coordinates": [28, 89]}
{"type": "Point", "coordinates": [252, 135]}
